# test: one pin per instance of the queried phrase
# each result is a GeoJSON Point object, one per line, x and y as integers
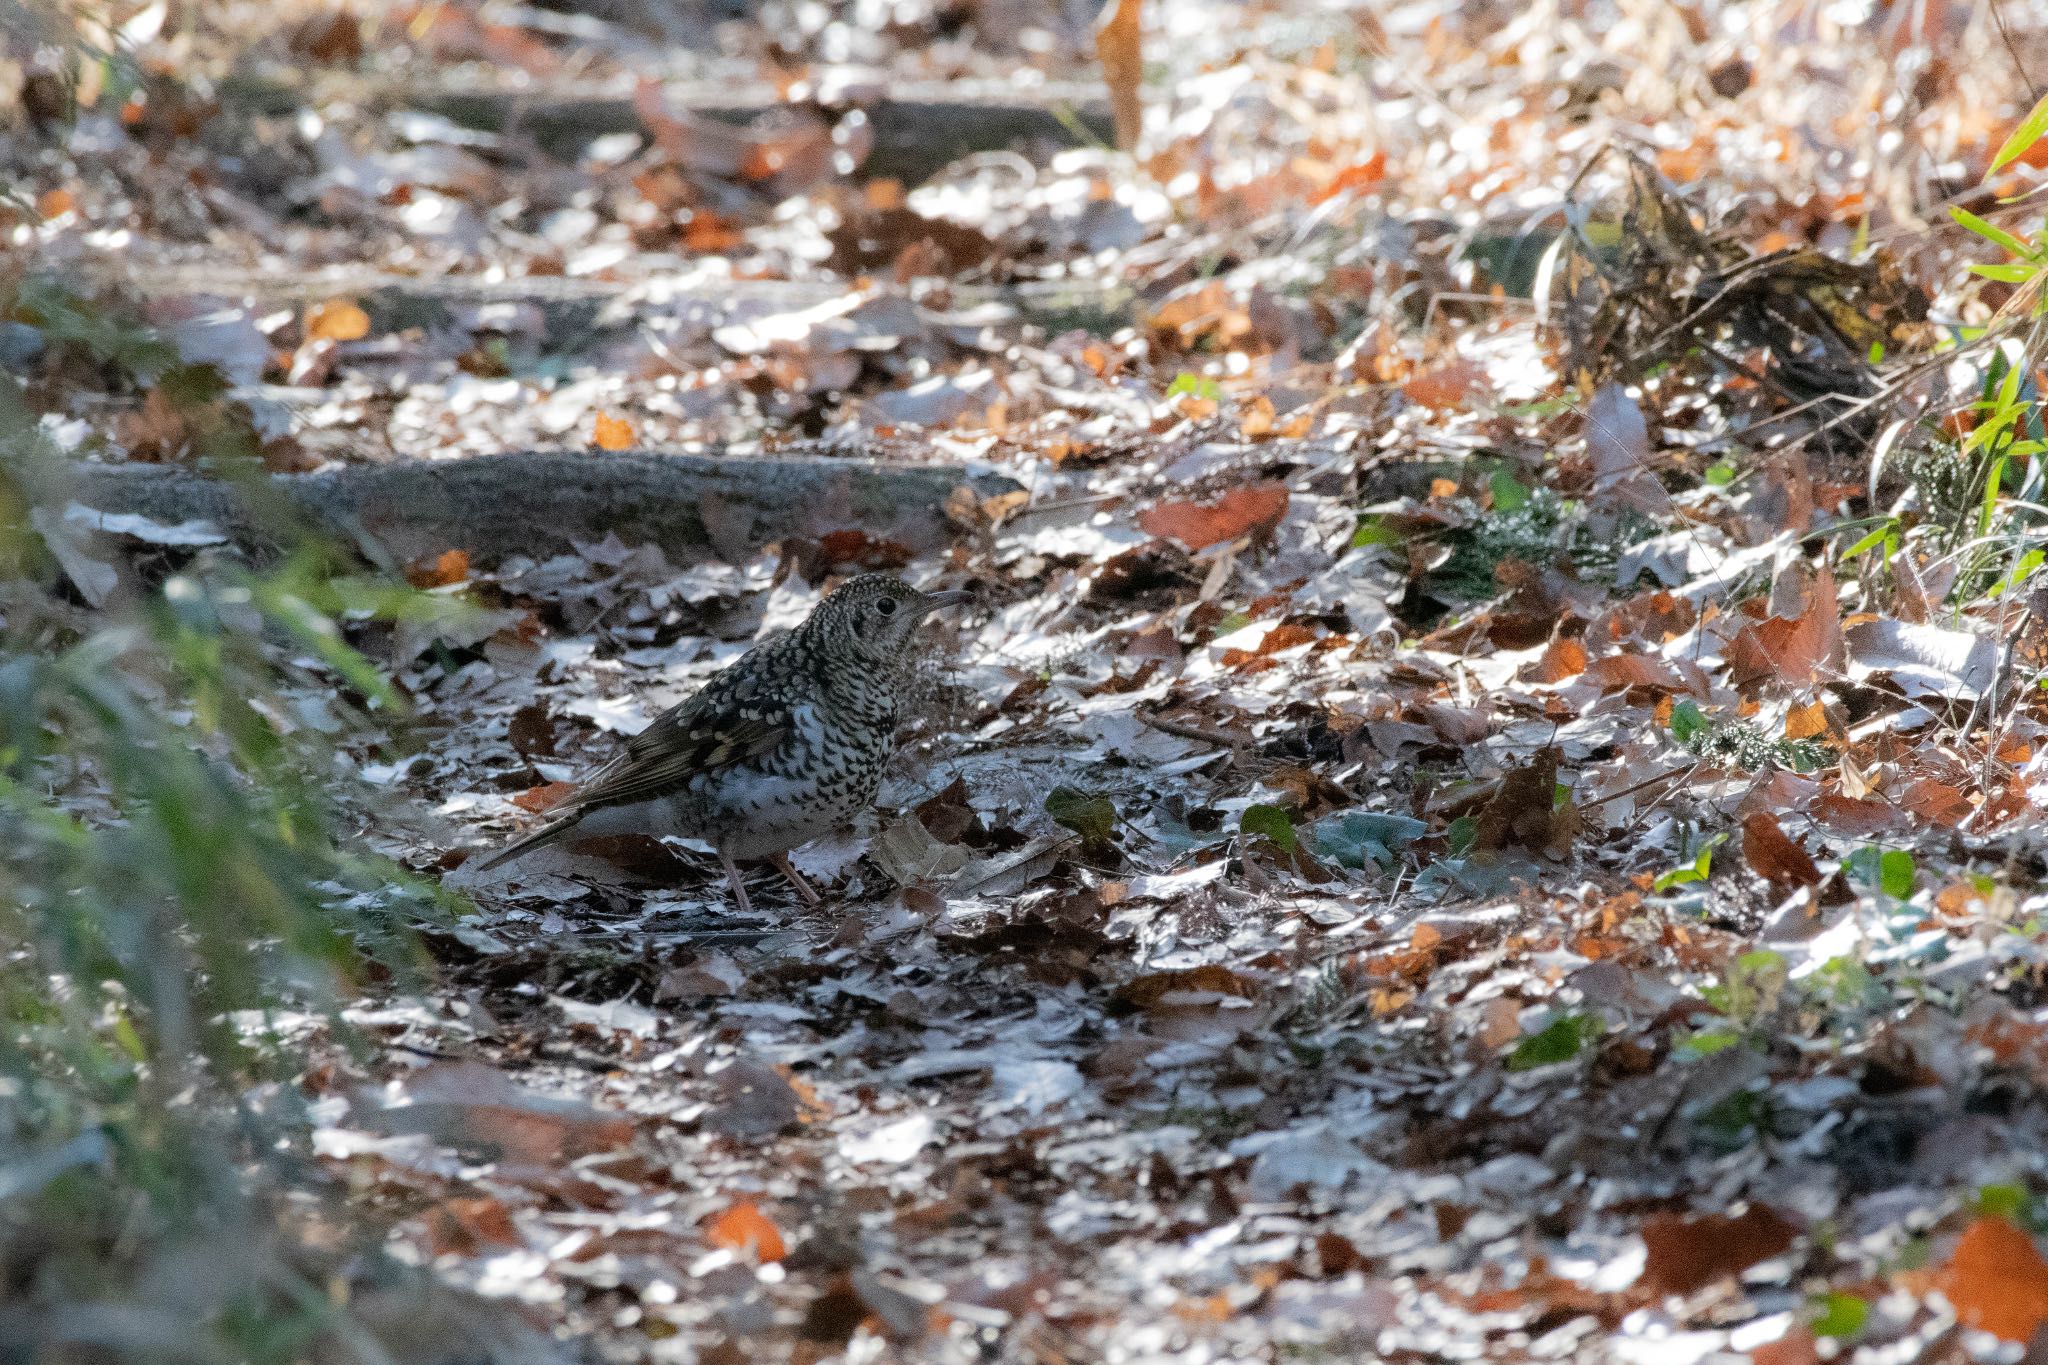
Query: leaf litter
{"type": "Point", "coordinates": [1433, 838]}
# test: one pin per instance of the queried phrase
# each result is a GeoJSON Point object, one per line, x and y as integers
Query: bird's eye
{"type": "Point", "coordinates": [887, 606]}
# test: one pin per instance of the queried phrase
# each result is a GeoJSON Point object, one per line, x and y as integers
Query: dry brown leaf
{"type": "Point", "coordinates": [1774, 855]}
{"type": "Point", "coordinates": [1196, 985]}
{"type": "Point", "coordinates": [1240, 512]}
{"type": "Point", "coordinates": [545, 795]}
{"type": "Point", "coordinates": [1524, 813]}
{"type": "Point", "coordinates": [469, 1226]}
{"type": "Point", "coordinates": [1446, 386]}
{"type": "Point", "coordinates": [1688, 1254]}
{"type": "Point", "coordinates": [1119, 48]}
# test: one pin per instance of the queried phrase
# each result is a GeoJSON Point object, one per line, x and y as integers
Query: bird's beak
{"type": "Point", "coordinates": [935, 600]}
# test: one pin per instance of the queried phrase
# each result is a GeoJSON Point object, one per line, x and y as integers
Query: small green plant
{"type": "Point", "coordinates": [1188, 385]}
{"type": "Point", "coordinates": [1751, 988]}
{"type": "Point", "coordinates": [1272, 824]}
{"type": "Point", "coordinates": [1697, 869]}
{"type": "Point", "coordinates": [1562, 1039]}
{"type": "Point", "coordinates": [1840, 1316]}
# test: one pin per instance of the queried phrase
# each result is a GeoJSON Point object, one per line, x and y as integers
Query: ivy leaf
{"type": "Point", "coordinates": [1271, 823]}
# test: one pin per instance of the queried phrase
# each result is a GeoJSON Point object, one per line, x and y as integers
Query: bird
{"type": "Point", "coordinates": [782, 745]}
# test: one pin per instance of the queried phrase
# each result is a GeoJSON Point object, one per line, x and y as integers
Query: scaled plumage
{"type": "Point", "coordinates": [783, 745]}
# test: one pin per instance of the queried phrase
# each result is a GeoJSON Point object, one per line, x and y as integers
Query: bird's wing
{"type": "Point", "coordinates": [729, 722]}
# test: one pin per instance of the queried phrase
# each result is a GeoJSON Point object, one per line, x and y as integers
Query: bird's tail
{"type": "Point", "coordinates": [531, 840]}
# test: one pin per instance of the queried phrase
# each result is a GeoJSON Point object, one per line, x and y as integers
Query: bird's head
{"type": "Point", "coordinates": [875, 617]}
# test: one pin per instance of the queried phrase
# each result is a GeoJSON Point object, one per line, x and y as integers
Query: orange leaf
{"type": "Point", "coordinates": [451, 566]}
{"type": "Point", "coordinates": [337, 320]}
{"type": "Point", "coordinates": [1445, 386]}
{"type": "Point", "coordinates": [1561, 659]}
{"type": "Point", "coordinates": [1238, 513]}
{"type": "Point", "coordinates": [744, 1227]}
{"type": "Point", "coordinates": [54, 204]}
{"type": "Point", "coordinates": [1997, 1281]}
{"type": "Point", "coordinates": [612, 433]}
{"type": "Point", "coordinates": [1804, 722]}
{"type": "Point", "coordinates": [541, 797]}
{"type": "Point", "coordinates": [1123, 69]}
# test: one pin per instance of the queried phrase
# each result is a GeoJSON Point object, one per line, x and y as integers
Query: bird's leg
{"type": "Point", "coordinates": [803, 888]}
{"type": "Point", "coordinates": [739, 888]}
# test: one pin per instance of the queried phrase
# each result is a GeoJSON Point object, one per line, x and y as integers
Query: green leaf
{"type": "Point", "coordinates": [1460, 833]}
{"type": "Point", "coordinates": [1890, 870]}
{"type": "Point", "coordinates": [1560, 1041]}
{"type": "Point", "coordinates": [2026, 135]}
{"type": "Point", "coordinates": [2003, 1201]}
{"type": "Point", "coordinates": [2021, 572]}
{"type": "Point", "coordinates": [1880, 536]}
{"type": "Point", "coordinates": [1231, 624]}
{"type": "Point", "coordinates": [1991, 232]}
{"type": "Point", "coordinates": [1992, 479]}
{"type": "Point", "coordinates": [1374, 531]}
{"type": "Point", "coordinates": [1700, 868]}
{"type": "Point", "coordinates": [1201, 386]}
{"type": "Point", "coordinates": [1839, 1315]}
{"type": "Point", "coordinates": [1269, 822]}
{"type": "Point", "coordinates": [1720, 474]}
{"type": "Point", "coordinates": [1897, 873]}
{"type": "Point", "coordinates": [2009, 272]}
{"type": "Point", "coordinates": [1687, 722]}
{"type": "Point", "coordinates": [1708, 1041]}
{"type": "Point", "coordinates": [1088, 814]}
{"type": "Point", "coordinates": [1508, 493]}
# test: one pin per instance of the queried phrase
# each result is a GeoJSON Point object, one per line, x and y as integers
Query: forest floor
{"type": "Point", "coordinates": [1486, 804]}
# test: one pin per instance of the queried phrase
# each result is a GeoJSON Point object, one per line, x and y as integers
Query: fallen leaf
{"type": "Point", "coordinates": [539, 798]}
{"type": "Point", "coordinates": [1688, 1254]}
{"type": "Point", "coordinates": [611, 433]}
{"type": "Point", "coordinates": [1773, 854]}
{"type": "Point", "coordinates": [1117, 47]}
{"type": "Point", "coordinates": [1446, 386]}
{"type": "Point", "coordinates": [1618, 444]}
{"type": "Point", "coordinates": [1240, 512]}
{"type": "Point", "coordinates": [337, 320]}
{"type": "Point", "coordinates": [1997, 1281]}
{"type": "Point", "coordinates": [1925, 661]}
{"type": "Point", "coordinates": [744, 1228]}
{"type": "Point", "coordinates": [447, 568]}
{"type": "Point", "coordinates": [1193, 986]}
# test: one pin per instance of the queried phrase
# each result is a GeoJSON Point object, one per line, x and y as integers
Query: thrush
{"type": "Point", "coordinates": [784, 744]}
